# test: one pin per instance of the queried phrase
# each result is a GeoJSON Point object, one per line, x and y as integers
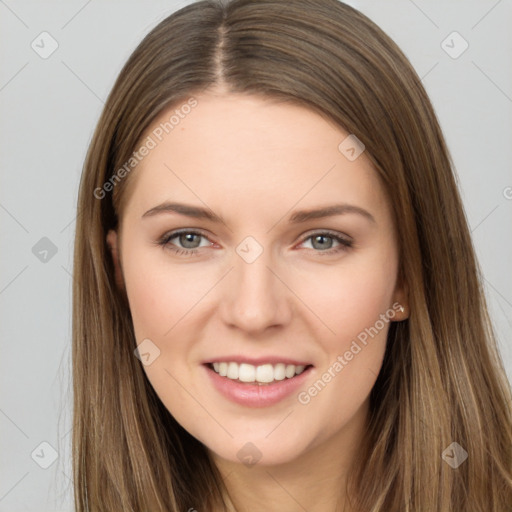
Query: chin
{"type": "Point", "coordinates": [257, 450]}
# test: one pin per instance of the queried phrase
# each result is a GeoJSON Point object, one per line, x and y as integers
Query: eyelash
{"type": "Point", "coordinates": [164, 242]}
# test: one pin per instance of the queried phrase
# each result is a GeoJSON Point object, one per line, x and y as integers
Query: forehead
{"type": "Point", "coordinates": [252, 153]}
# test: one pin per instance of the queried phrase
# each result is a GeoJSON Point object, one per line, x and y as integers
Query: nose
{"type": "Point", "coordinates": [255, 296]}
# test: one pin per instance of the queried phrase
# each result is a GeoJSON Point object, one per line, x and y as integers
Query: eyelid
{"type": "Point", "coordinates": [176, 232]}
{"type": "Point", "coordinates": [328, 232]}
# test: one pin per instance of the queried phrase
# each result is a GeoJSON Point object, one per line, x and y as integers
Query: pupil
{"type": "Point", "coordinates": [321, 237]}
{"type": "Point", "coordinates": [187, 239]}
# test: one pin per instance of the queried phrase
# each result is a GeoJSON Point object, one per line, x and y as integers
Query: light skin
{"type": "Point", "coordinates": [255, 162]}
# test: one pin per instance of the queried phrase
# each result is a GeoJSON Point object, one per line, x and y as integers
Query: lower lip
{"type": "Point", "coordinates": [254, 395]}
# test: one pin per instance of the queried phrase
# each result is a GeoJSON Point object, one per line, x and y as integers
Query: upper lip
{"type": "Point", "coordinates": [258, 361]}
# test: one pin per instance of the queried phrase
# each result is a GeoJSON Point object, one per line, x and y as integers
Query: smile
{"type": "Point", "coordinates": [262, 374]}
{"type": "Point", "coordinates": [264, 385]}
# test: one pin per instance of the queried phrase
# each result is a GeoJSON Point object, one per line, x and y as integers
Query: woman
{"type": "Point", "coordinates": [277, 304]}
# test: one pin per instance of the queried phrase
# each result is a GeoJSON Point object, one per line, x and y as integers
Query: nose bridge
{"type": "Point", "coordinates": [255, 298]}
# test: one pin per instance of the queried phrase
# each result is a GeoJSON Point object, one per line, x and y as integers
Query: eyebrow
{"type": "Point", "coordinates": [297, 217]}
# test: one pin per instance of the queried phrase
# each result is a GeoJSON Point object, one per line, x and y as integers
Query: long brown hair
{"type": "Point", "coordinates": [442, 379]}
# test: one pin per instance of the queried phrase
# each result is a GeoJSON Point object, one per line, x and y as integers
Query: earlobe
{"type": "Point", "coordinates": [401, 302]}
{"type": "Point", "coordinates": [112, 242]}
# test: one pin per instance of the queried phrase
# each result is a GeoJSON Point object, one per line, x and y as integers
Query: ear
{"type": "Point", "coordinates": [113, 244]}
{"type": "Point", "coordinates": [401, 298]}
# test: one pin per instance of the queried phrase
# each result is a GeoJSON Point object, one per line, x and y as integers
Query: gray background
{"type": "Point", "coordinates": [49, 108]}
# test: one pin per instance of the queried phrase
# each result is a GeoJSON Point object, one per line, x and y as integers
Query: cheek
{"type": "Point", "coordinates": [352, 297]}
{"type": "Point", "coordinates": [158, 294]}
{"type": "Point", "coordinates": [358, 310]}
{"type": "Point", "coordinates": [161, 300]}
{"type": "Point", "coordinates": [360, 321]}
{"type": "Point", "coordinates": [149, 301]}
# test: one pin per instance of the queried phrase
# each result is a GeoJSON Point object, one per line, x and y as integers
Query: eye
{"type": "Point", "coordinates": [188, 240]}
{"type": "Point", "coordinates": [324, 240]}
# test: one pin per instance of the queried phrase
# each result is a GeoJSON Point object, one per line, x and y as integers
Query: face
{"type": "Point", "coordinates": [259, 278]}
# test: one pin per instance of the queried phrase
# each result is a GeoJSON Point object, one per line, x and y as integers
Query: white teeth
{"type": "Point", "coordinates": [264, 373]}
{"type": "Point", "coordinates": [279, 371]}
{"type": "Point", "coordinates": [289, 371]}
{"type": "Point", "coordinates": [247, 373]}
{"type": "Point", "coordinates": [232, 371]}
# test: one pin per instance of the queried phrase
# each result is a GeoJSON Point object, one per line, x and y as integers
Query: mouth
{"type": "Point", "coordinates": [258, 386]}
{"type": "Point", "coordinates": [262, 375]}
